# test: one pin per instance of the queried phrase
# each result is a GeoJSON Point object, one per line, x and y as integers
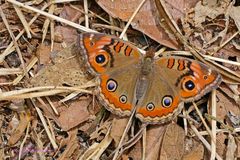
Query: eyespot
{"type": "Point", "coordinates": [111, 85]}
{"type": "Point", "coordinates": [205, 77]}
{"type": "Point", "coordinates": [189, 85]}
{"type": "Point", "coordinates": [123, 99]}
{"type": "Point", "coordinates": [167, 101]}
{"type": "Point", "coordinates": [91, 43]}
{"type": "Point", "coordinates": [100, 59]}
{"type": "Point", "coordinates": [150, 106]}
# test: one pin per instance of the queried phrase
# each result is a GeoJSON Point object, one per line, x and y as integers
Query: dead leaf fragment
{"type": "Point", "coordinates": [173, 143]}
{"type": "Point", "coordinates": [24, 119]}
{"type": "Point", "coordinates": [146, 19]}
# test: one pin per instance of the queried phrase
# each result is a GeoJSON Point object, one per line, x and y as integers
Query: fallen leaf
{"type": "Point", "coordinates": [195, 150]}
{"type": "Point", "coordinates": [231, 147]}
{"type": "Point", "coordinates": [71, 13]}
{"type": "Point", "coordinates": [24, 119]}
{"type": "Point", "coordinates": [147, 20]}
{"type": "Point", "coordinates": [173, 143]}
{"type": "Point", "coordinates": [43, 53]}
{"type": "Point", "coordinates": [65, 34]}
{"type": "Point", "coordinates": [118, 126]}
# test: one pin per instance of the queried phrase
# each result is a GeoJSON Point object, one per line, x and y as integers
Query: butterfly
{"type": "Point", "coordinates": [150, 87]}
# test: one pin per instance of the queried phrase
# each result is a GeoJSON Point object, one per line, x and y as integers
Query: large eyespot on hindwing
{"type": "Point", "coordinates": [167, 101]}
{"type": "Point", "coordinates": [123, 99]}
{"type": "Point", "coordinates": [111, 85]}
{"type": "Point", "coordinates": [150, 106]}
{"type": "Point", "coordinates": [101, 59]}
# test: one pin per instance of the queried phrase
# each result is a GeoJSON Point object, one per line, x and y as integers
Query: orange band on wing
{"type": "Point", "coordinates": [159, 111]}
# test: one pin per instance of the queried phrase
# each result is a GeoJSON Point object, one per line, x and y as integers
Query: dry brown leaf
{"type": "Point", "coordinates": [70, 13]}
{"type": "Point", "coordinates": [118, 126]}
{"type": "Point", "coordinates": [173, 143]}
{"type": "Point", "coordinates": [24, 119]}
{"type": "Point", "coordinates": [194, 150]}
{"type": "Point", "coordinates": [70, 116]}
{"type": "Point", "coordinates": [65, 34]}
{"type": "Point", "coordinates": [74, 115]}
{"type": "Point", "coordinates": [238, 148]}
{"type": "Point", "coordinates": [72, 145]}
{"type": "Point", "coordinates": [220, 144]}
{"type": "Point", "coordinates": [234, 14]}
{"type": "Point", "coordinates": [43, 54]}
{"type": "Point", "coordinates": [226, 104]}
{"type": "Point", "coordinates": [203, 11]}
{"type": "Point", "coordinates": [231, 147]}
{"type": "Point", "coordinates": [153, 143]}
{"type": "Point", "coordinates": [146, 19]}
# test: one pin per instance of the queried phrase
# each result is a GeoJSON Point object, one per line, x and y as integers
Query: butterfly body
{"type": "Point", "coordinates": [128, 80]}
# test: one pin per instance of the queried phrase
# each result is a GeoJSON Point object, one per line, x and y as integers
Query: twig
{"type": "Point", "coordinates": [59, 19]}
{"type": "Point", "coordinates": [33, 61]}
{"type": "Point", "coordinates": [10, 47]}
{"type": "Point", "coordinates": [23, 20]}
{"type": "Point", "coordinates": [214, 125]}
{"type": "Point", "coordinates": [85, 3]}
{"type": "Point", "coordinates": [206, 144]}
{"type": "Point", "coordinates": [54, 144]}
{"type": "Point", "coordinates": [131, 19]}
{"type": "Point", "coordinates": [14, 40]}
{"type": "Point", "coordinates": [47, 22]}
{"type": "Point", "coordinates": [23, 142]}
{"type": "Point", "coordinates": [204, 122]}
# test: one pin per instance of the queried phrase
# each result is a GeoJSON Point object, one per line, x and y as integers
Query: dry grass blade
{"type": "Point", "coordinates": [10, 47]}
{"type": "Point", "coordinates": [206, 144]}
{"type": "Point", "coordinates": [130, 20]}
{"type": "Point", "coordinates": [214, 125]}
{"type": "Point", "coordinates": [29, 66]}
{"type": "Point", "coordinates": [86, 13]}
{"type": "Point", "coordinates": [23, 142]}
{"type": "Point", "coordinates": [47, 22]}
{"type": "Point", "coordinates": [9, 71]}
{"type": "Point", "coordinates": [53, 17]}
{"type": "Point", "coordinates": [202, 119]}
{"type": "Point", "coordinates": [39, 92]}
{"type": "Point", "coordinates": [14, 40]}
{"type": "Point", "coordinates": [53, 142]}
{"type": "Point", "coordinates": [23, 20]}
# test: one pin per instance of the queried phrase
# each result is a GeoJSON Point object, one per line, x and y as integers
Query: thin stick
{"type": "Point", "coordinates": [23, 20]}
{"type": "Point", "coordinates": [206, 144]}
{"type": "Point", "coordinates": [204, 122]}
{"type": "Point", "coordinates": [29, 66]}
{"type": "Point", "coordinates": [85, 3]}
{"type": "Point", "coordinates": [144, 143]}
{"type": "Point", "coordinates": [124, 133]}
{"type": "Point", "coordinates": [10, 47]}
{"type": "Point", "coordinates": [23, 142]}
{"type": "Point", "coordinates": [131, 19]}
{"type": "Point", "coordinates": [54, 144]}
{"type": "Point", "coordinates": [14, 40]}
{"type": "Point", "coordinates": [52, 106]}
{"type": "Point", "coordinates": [47, 22]}
{"type": "Point", "coordinates": [185, 121]}
{"type": "Point", "coordinates": [59, 19]}
{"type": "Point", "coordinates": [214, 125]}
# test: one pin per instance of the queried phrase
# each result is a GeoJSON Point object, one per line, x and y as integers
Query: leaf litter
{"type": "Point", "coordinates": [48, 104]}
